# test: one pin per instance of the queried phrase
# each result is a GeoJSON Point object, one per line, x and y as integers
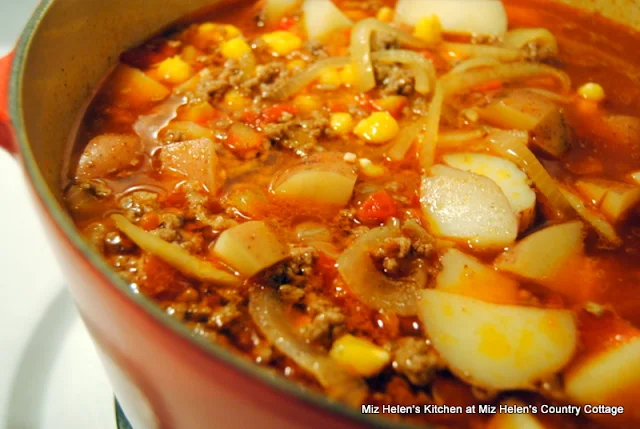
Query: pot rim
{"type": "Point", "coordinates": [63, 222]}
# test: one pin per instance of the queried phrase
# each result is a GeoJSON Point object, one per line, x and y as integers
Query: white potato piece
{"type": "Point", "coordinates": [540, 256]}
{"type": "Point", "coordinates": [322, 18]}
{"type": "Point", "coordinates": [109, 154]}
{"type": "Point", "coordinates": [193, 160]}
{"type": "Point", "coordinates": [514, 420]}
{"type": "Point", "coordinates": [528, 111]}
{"type": "Point", "coordinates": [325, 180]}
{"type": "Point", "coordinates": [250, 248]}
{"type": "Point", "coordinates": [615, 199]}
{"type": "Point", "coordinates": [464, 206]}
{"type": "Point", "coordinates": [457, 16]}
{"type": "Point", "coordinates": [276, 9]}
{"type": "Point", "coordinates": [609, 378]}
{"type": "Point", "coordinates": [497, 346]}
{"type": "Point", "coordinates": [513, 181]}
{"type": "Point", "coordinates": [465, 275]}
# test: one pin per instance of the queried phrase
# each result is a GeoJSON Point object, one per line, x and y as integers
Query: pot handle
{"type": "Point", "coordinates": [6, 133]}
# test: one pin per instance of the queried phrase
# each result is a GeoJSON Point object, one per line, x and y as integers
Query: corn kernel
{"type": "Point", "coordinates": [341, 123]}
{"type": "Point", "coordinates": [234, 100]}
{"type": "Point", "coordinates": [378, 128]}
{"type": "Point", "coordinates": [282, 42]}
{"type": "Point", "coordinates": [592, 92]}
{"type": "Point", "coordinates": [232, 31]}
{"type": "Point", "coordinates": [295, 65]}
{"type": "Point", "coordinates": [359, 355]}
{"type": "Point", "coordinates": [235, 48]}
{"type": "Point", "coordinates": [174, 70]}
{"type": "Point", "coordinates": [307, 104]}
{"type": "Point", "coordinates": [370, 169]}
{"type": "Point", "coordinates": [348, 75]}
{"type": "Point", "coordinates": [330, 77]}
{"type": "Point", "coordinates": [207, 28]}
{"type": "Point", "coordinates": [429, 29]}
{"type": "Point", "coordinates": [385, 14]}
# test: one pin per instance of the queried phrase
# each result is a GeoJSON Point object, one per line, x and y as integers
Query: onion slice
{"type": "Point", "coordinates": [268, 313]}
{"type": "Point", "coordinates": [372, 287]}
{"type": "Point", "coordinates": [174, 255]}
{"type": "Point", "coordinates": [605, 230]}
{"type": "Point", "coordinates": [513, 146]}
{"type": "Point", "coordinates": [458, 82]}
{"type": "Point", "coordinates": [361, 49]}
{"type": "Point", "coordinates": [474, 63]}
{"type": "Point", "coordinates": [306, 77]}
{"type": "Point", "coordinates": [422, 69]}
{"type": "Point", "coordinates": [469, 50]}
{"type": "Point", "coordinates": [148, 127]}
{"type": "Point", "coordinates": [541, 39]}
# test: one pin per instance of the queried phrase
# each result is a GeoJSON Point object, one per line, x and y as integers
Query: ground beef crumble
{"type": "Point", "coordinates": [394, 79]}
{"type": "Point", "coordinates": [416, 359]}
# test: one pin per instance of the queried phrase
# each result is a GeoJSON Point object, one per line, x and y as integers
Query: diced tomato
{"type": "Point", "coordinates": [492, 85]}
{"type": "Point", "coordinates": [274, 113]}
{"type": "Point", "coordinates": [394, 104]}
{"type": "Point", "coordinates": [286, 23]}
{"type": "Point", "coordinates": [150, 221]}
{"type": "Point", "coordinates": [176, 199]}
{"type": "Point", "coordinates": [377, 208]}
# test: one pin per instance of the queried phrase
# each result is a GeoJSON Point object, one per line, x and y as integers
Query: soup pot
{"type": "Point", "coordinates": [162, 375]}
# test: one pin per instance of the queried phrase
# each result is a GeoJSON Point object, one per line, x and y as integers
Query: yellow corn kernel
{"type": "Point", "coordinates": [348, 75]}
{"type": "Point", "coordinates": [359, 355]}
{"type": "Point", "coordinates": [341, 123]}
{"type": "Point", "coordinates": [234, 100]}
{"type": "Point", "coordinates": [307, 104]}
{"type": "Point", "coordinates": [330, 77]}
{"type": "Point", "coordinates": [429, 29]}
{"type": "Point", "coordinates": [296, 65]}
{"type": "Point", "coordinates": [235, 48]}
{"type": "Point", "coordinates": [174, 70]}
{"type": "Point", "coordinates": [232, 31]}
{"type": "Point", "coordinates": [592, 92]}
{"type": "Point", "coordinates": [282, 42]}
{"type": "Point", "coordinates": [378, 128]}
{"type": "Point", "coordinates": [385, 14]}
{"type": "Point", "coordinates": [370, 169]}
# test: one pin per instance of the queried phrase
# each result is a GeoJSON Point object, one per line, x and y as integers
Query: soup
{"type": "Point", "coordinates": [393, 204]}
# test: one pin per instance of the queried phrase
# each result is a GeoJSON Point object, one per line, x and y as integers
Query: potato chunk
{"type": "Point", "coordinates": [322, 18]}
{"type": "Point", "coordinates": [615, 199]}
{"type": "Point", "coordinates": [541, 255]}
{"type": "Point", "coordinates": [607, 370]}
{"type": "Point", "coordinates": [108, 154]}
{"type": "Point", "coordinates": [194, 160]}
{"type": "Point", "coordinates": [276, 9]}
{"type": "Point", "coordinates": [325, 180]}
{"type": "Point", "coordinates": [250, 248]}
{"type": "Point", "coordinates": [485, 17]}
{"type": "Point", "coordinates": [497, 346]}
{"type": "Point", "coordinates": [131, 86]}
{"type": "Point", "coordinates": [465, 275]}
{"type": "Point", "coordinates": [513, 181]}
{"type": "Point", "coordinates": [527, 111]}
{"type": "Point", "coordinates": [468, 207]}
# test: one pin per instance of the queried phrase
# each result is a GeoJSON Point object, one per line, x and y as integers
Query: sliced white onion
{"type": "Point", "coordinates": [542, 39]}
{"type": "Point", "coordinates": [306, 77]}
{"type": "Point", "coordinates": [361, 49]}
{"type": "Point", "coordinates": [268, 313]}
{"type": "Point", "coordinates": [371, 286]}
{"type": "Point", "coordinates": [474, 63]}
{"type": "Point", "coordinates": [469, 50]}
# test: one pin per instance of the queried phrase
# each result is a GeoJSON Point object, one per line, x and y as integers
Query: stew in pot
{"type": "Point", "coordinates": [419, 204]}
